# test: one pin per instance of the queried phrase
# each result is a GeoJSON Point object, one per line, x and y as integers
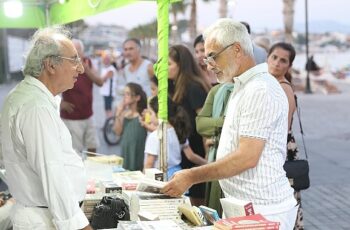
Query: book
{"type": "Point", "coordinates": [211, 215]}
{"type": "Point", "coordinates": [147, 216]}
{"type": "Point", "coordinates": [233, 207]}
{"type": "Point", "coordinates": [191, 214]}
{"type": "Point", "coordinates": [110, 187]}
{"type": "Point", "coordinates": [149, 225]}
{"type": "Point", "coordinates": [154, 174]}
{"type": "Point", "coordinates": [128, 180]}
{"type": "Point", "coordinates": [149, 185]}
{"type": "Point", "coordinates": [158, 204]}
{"type": "Point", "coordinates": [107, 159]}
{"type": "Point", "coordinates": [253, 222]}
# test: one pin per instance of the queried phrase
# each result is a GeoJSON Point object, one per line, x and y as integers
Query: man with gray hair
{"type": "Point", "coordinates": [44, 174]}
{"type": "Point", "coordinates": [252, 147]}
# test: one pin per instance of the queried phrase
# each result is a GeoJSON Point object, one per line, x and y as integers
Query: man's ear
{"type": "Point", "coordinates": [238, 50]}
{"type": "Point", "coordinates": [49, 66]}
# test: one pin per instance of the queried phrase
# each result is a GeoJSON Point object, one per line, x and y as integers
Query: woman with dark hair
{"type": "Point", "coordinates": [127, 125]}
{"type": "Point", "coordinates": [280, 59]}
{"type": "Point", "coordinates": [190, 91]}
{"type": "Point", "coordinates": [178, 130]}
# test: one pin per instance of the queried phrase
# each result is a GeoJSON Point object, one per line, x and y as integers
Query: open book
{"type": "Point", "coordinates": [149, 185]}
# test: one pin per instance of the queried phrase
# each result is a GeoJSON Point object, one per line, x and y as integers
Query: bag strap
{"type": "Point", "coordinates": [300, 125]}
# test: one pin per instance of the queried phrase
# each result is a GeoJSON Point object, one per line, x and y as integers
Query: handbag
{"type": "Point", "coordinates": [107, 213]}
{"type": "Point", "coordinates": [297, 170]}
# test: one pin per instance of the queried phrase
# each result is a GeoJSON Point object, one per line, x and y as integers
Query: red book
{"type": "Point", "coordinates": [252, 222]}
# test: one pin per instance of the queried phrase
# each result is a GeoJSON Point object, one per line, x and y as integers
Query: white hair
{"type": "Point", "coordinates": [226, 31]}
{"type": "Point", "coordinates": [45, 43]}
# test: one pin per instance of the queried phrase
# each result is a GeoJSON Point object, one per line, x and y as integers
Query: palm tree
{"type": "Point", "coordinates": [223, 9]}
{"type": "Point", "coordinates": [146, 33]}
{"type": "Point", "coordinates": [175, 8]}
{"type": "Point", "coordinates": [193, 20]}
{"type": "Point", "coordinates": [288, 16]}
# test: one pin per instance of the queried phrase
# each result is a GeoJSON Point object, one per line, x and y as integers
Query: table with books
{"type": "Point", "coordinates": [149, 209]}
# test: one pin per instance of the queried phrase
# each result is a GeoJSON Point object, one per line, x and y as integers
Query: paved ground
{"type": "Point", "coordinates": [326, 121]}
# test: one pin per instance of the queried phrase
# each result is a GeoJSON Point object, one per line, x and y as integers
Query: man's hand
{"type": "Point", "coordinates": [88, 227]}
{"type": "Point", "coordinates": [178, 185]}
{"type": "Point", "coordinates": [66, 106]}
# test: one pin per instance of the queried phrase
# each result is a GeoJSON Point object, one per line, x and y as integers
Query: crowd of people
{"type": "Point", "coordinates": [230, 109]}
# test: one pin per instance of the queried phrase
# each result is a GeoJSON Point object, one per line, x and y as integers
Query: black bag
{"type": "Point", "coordinates": [297, 170]}
{"type": "Point", "coordinates": [298, 174]}
{"type": "Point", "coordinates": [108, 212]}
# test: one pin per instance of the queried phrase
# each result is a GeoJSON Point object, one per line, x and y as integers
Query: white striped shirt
{"type": "Point", "coordinates": [258, 108]}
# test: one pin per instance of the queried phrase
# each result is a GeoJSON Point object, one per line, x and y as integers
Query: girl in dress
{"type": "Point", "coordinates": [128, 126]}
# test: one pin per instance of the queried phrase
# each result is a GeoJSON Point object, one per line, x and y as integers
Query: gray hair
{"type": "Point", "coordinates": [226, 31]}
{"type": "Point", "coordinates": [45, 43]}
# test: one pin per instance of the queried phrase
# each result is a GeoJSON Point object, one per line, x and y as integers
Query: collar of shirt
{"type": "Point", "coordinates": [35, 82]}
{"type": "Point", "coordinates": [249, 74]}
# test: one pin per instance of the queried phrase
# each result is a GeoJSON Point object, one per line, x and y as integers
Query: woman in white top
{"type": "Point", "coordinates": [178, 131]}
{"type": "Point", "coordinates": [107, 90]}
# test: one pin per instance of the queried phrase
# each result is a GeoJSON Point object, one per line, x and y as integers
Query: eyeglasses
{"type": "Point", "coordinates": [211, 58]}
{"type": "Point", "coordinates": [76, 60]}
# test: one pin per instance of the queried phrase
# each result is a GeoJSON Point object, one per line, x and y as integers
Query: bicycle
{"type": "Point", "coordinates": [109, 135]}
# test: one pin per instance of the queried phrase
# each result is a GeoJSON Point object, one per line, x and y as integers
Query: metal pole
{"type": "Point", "coordinates": [4, 65]}
{"type": "Point", "coordinates": [307, 86]}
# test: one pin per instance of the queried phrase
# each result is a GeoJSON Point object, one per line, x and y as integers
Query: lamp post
{"type": "Point", "coordinates": [307, 86]}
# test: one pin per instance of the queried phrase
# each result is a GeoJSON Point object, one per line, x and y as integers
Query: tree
{"type": "Point", "coordinates": [146, 33]}
{"type": "Point", "coordinates": [193, 20]}
{"type": "Point", "coordinates": [175, 8]}
{"type": "Point", "coordinates": [288, 17]}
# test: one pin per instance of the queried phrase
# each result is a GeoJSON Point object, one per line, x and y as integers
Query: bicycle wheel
{"type": "Point", "coordinates": [108, 133]}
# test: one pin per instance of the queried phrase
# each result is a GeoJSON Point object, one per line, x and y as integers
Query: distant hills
{"type": "Point", "coordinates": [323, 26]}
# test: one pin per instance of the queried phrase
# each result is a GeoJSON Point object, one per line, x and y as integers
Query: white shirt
{"type": "Point", "coordinates": [140, 76]}
{"type": "Point", "coordinates": [109, 86]}
{"type": "Point", "coordinates": [42, 169]}
{"type": "Point", "coordinates": [152, 147]}
{"type": "Point", "coordinates": [258, 108]}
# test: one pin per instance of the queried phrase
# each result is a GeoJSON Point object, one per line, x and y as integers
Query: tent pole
{"type": "Point", "coordinates": [161, 71]}
{"type": "Point", "coordinates": [47, 14]}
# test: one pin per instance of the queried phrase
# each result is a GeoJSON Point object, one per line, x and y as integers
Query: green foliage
{"type": "Point", "coordinates": [145, 31]}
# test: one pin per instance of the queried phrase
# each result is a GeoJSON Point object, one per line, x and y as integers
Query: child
{"type": "Point", "coordinates": [127, 124]}
{"type": "Point", "coordinates": [178, 131]}
{"type": "Point", "coordinates": [154, 86]}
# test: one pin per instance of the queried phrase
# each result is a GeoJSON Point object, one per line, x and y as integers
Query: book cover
{"type": "Point", "coordinates": [211, 215]}
{"type": "Point", "coordinates": [234, 207]}
{"type": "Point", "coordinates": [246, 222]}
{"type": "Point", "coordinates": [151, 186]}
{"type": "Point", "coordinates": [190, 213]}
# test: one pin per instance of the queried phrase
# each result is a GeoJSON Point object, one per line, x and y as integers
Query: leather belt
{"type": "Point", "coordinates": [80, 204]}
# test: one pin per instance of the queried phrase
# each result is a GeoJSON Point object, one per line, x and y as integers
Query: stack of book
{"type": "Point", "coordinates": [149, 225]}
{"type": "Point", "coordinates": [252, 222]}
{"type": "Point", "coordinates": [160, 205]}
{"type": "Point", "coordinates": [128, 180]}
{"type": "Point", "coordinates": [199, 216]}
{"type": "Point", "coordinates": [107, 159]}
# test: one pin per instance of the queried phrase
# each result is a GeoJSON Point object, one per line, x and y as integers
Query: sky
{"type": "Point", "coordinates": [260, 14]}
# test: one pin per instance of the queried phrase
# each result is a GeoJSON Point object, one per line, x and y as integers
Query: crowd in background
{"type": "Point", "coordinates": [197, 104]}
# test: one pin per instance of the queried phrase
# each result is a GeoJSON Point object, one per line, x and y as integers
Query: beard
{"type": "Point", "coordinates": [228, 74]}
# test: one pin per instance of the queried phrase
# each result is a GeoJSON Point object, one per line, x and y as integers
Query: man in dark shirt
{"type": "Point", "coordinates": [76, 106]}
